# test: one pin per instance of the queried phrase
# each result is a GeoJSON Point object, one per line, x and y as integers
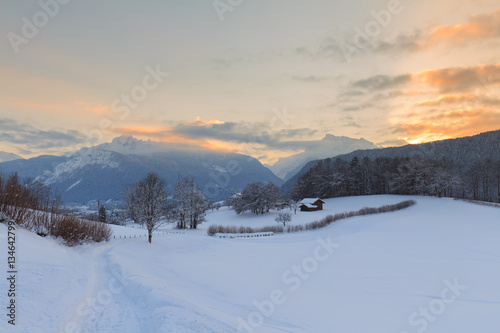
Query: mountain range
{"type": "Point", "coordinates": [5, 157]}
{"type": "Point", "coordinates": [103, 172]}
{"type": "Point", "coordinates": [329, 146]}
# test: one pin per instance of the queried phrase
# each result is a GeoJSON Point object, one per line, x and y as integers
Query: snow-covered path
{"type": "Point", "coordinates": [431, 268]}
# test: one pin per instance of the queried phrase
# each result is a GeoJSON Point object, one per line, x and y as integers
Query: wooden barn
{"type": "Point", "coordinates": [311, 204]}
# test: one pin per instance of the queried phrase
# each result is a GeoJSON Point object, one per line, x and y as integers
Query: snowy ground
{"type": "Point", "coordinates": [433, 267]}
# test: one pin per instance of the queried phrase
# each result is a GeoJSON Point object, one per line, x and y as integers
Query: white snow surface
{"type": "Point", "coordinates": [382, 270]}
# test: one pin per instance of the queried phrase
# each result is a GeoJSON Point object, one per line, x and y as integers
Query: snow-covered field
{"type": "Point", "coordinates": [433, 267]}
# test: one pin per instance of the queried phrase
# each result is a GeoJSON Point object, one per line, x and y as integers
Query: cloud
{"type": "Point", "coordinates": [357, 107]}
{"type": "Point", "coordinates": [478, 27]}
{"type": "Point", "coordinates": [32, 138]}
{"type": "Point", "coordinates": [404, 43]}
{"type": "Point", "coordinates": [352, 124]}
{"type": "Point", "coordinates": [445, 80]}
{"type": "Point", "coordinates": [456, 79]}
{"type": "Point", "coordinates": [236, 136]}
{"type": "Point", "coordinates": [310, 78]}
{"type": "Point", "coordinates": [393, 143]}
{"type": "Point", "coordinates": [381, 82]}
{"type": "Point", "coordinates": [241, 132]}
{"type": "Point", "coordinates": [463, 99]}
{"type": "Point", "coordinates": [447, 124]}
{"type": "Point", "coordinates": [342, 48]}
{"type": "Point", "coordinates": [37, 106]}
{"type": "Point", "coordinates": [98, 109]}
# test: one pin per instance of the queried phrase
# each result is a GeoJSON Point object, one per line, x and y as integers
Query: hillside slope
{"type": "Point", "coordinates": [441, 255]}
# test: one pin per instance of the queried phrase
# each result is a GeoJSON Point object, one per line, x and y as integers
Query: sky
{"type": "Point", "coordinates": [258, 77]}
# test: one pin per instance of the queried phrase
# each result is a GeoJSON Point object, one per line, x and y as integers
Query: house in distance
{"type": "Point", "coordinates": [311, 204]}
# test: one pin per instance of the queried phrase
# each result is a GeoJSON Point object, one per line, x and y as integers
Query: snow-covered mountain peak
{"type": "Point", "coordinates": [128, 145]}
{"type": "Point", "coordinates": [83, 158]}
{"type": "Point", "coordinates": [329, 146]}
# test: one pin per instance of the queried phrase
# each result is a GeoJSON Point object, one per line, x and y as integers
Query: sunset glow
{"type": "Point", "coordinates": [426, 75]}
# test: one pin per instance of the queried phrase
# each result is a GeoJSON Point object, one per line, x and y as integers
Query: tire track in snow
{"type": "Point", "coordinates": [101, 307]}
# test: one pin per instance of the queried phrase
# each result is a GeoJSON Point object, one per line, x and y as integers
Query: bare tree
{"type": "Point", "coordinates": [190, 204]}
{"type": "Point", "coordinates": [182, 201]}
{"type": "Point", "coordinates": [147, 202]}
{"type": "Point", "coordinates": [284, 218]}
{"type": "Point", "coordinates": [199, 205]}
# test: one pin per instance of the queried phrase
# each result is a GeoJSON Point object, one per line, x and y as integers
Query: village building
{"type": "Point", "coordinates": [311, 204]}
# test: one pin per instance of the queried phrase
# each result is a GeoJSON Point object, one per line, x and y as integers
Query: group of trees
{"type": "Point", "coordinates": [399, 175]}
{"type": "Point", "coordinates": [257, 197]}
{"type": "Point", "coordinates": [148, 203]}
{"type": "Point", "coordinates": [483, 179]}
{"type": "Point", "coordinates": [190, 204]}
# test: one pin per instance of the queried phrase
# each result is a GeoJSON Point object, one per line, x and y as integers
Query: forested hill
{"type": "Point", "coordinates": [463, 152]}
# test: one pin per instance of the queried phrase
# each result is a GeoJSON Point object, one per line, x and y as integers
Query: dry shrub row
{"type": "Point", "coordinates": [70, 230]}
{"type": "Point", "coordinates": [482, 203]}
{"type": "Point", "coordinates": [220, 229]}
{"type": "Point", "coordinates": [214, 229]}
{"type": "Point", "coordinates": [74, 231]}
{"type": "Point", "coordinates": [363, 211]}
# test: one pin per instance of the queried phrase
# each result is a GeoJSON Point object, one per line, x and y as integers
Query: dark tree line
{"type": "Point", "coordinates": [400, 175]}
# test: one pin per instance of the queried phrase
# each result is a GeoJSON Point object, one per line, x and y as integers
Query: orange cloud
{"type": "Point", "coordinates": [164, 134]}
{"type": "Point", "coordinates": [448, 124]}
{"type": "Point", "coordinates": [480, 26]}
{"type": "Point", "coordinates": [98, 108]}
{"type": "Point", "coordinates": [219, 145]}
{"type": "Point", "coordinates": [199, 122]}
{"type": "Point", "coordinates": [448, 99]}
{"type": "Point", "coordinates": [36, 106]}
{"type": "Point", "coordinates": [459, 78]}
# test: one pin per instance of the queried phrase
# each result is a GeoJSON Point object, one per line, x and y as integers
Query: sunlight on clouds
{"type": "Point", "coordinates": [98, 108]}
{"type": "Point", "coordinates": [165, 134]}
{"type": "Point", "coordinates": [459, 78]}
{"type": "Point", "coordinates": [480, 26]}
{"type": "Point", "coordinates": [200, 122]}
{"type": "Point", "coordinates": [446, 124]}
{"type": "Point", "coordinates": [448, 99]}
{"type": "Point", "coordinates": [36, 106]}
{"type": "Point", "coordinates": [218, 145]}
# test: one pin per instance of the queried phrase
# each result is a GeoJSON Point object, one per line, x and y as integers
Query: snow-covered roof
{"type": "Point", "coordinates": [309, 201]}
{"type": "Point", "coordinates": [309, 205]}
